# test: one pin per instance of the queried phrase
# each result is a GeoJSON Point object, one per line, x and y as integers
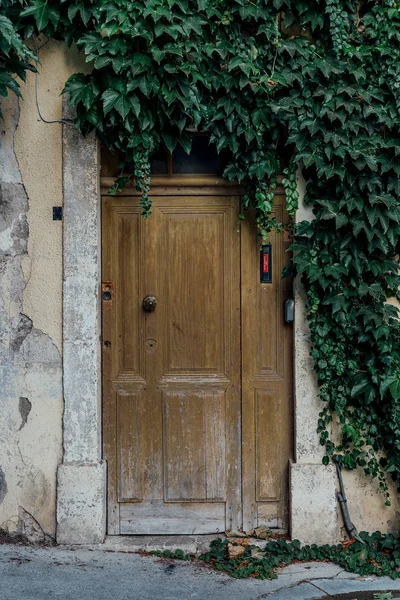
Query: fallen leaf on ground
{"type": "Point", "coordinates": [234, 534]}
{"type": "Point", "coordinates": [348, 543]}
{"type": "Point", "coordinates": [262, 532]}
{"type": "Point", "coordinates": [234, 551]}
{"type": "Point", "coordinates": [241, 541]}
{"type": "Point", "coordinates": [255, 553]}
{"type": "Point", "coordinates": [250, 533]}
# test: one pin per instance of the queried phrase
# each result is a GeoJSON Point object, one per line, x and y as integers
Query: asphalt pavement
{"type": "Point", "coordinates": [47, 573]}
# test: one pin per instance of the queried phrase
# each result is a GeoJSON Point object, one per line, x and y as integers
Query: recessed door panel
{"type": "Point", "coordinates": [195, 286]}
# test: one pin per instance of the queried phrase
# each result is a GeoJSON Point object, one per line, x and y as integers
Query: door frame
{"type": "Point", "coordinates": [81, 475]}
{"type": "Point", "coordinates": [206, 185]}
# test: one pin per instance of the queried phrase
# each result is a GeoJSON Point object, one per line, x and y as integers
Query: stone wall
{"type": "Point", "coordinates": [31, 403]}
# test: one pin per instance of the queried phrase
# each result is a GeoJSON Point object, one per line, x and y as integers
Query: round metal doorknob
{"type": "Point", "coordinates": [149, 303]}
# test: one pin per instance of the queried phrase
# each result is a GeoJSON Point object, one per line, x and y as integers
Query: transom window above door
{"type": "Point", "coordinates": [202, 160]}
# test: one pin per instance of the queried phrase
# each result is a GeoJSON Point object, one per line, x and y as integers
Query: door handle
{"type": "Point", "coordinates": [149, 303]}
{"type": "Point", "coordinates": [289, 310]}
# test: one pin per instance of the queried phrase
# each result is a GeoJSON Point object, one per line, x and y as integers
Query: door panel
{"type": "Point", "coordinates": [266, 379]}
{"type": "Point", "coordinates": [195, 288]}
{"type": "Point", "coordinates": [172, 376]}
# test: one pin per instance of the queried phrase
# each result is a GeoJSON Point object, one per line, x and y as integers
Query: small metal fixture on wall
{"type": "Point", "coordinates": [57, 213]}
{"type": "Point", "coordinates": [289, 310]}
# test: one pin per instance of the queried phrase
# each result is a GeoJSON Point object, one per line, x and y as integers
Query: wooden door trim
{"type": "Point", "coordinates": [185, 185]}
{"type": "Point", "coordinates": [177, 186]}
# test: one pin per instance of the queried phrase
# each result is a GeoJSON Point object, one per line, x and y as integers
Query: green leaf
{"type": "Point", "coordinates": [145, 86]}
{"type": "Point", "coordinates": [43, 11]}
{"type": "Point", "coordinates": [122, 105]}
{"type": "Point", "coordinates": [360, 388]}
{"type": "Point", "coordinates": [109, 97]}
{"type": "Point", "coordinates": [395, 388]}
{"type": "Point", "coordinates": [341, 220]}
{"type": "Point", "coordinates": [81, 89]}
{"type": "Point", "coordinates": [170, 141]}
{"type": "Point", "coordinates": [186, 142]}
{"type": "Point", "coordinates": [135, 104]}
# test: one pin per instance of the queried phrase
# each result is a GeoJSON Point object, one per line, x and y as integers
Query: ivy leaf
{"type": "Point", "coordinates": [80, 89]}
{"type": "Point", "coordinates": [122, 105]}
{"type": "Point", "coordinates": [135, 104]}
{"type": "Point", "coordinates": [43, 12]}
{"type": "Point", "coordinates": [341, 220]}
{"type": "Point", "coordinates": [145, 86]}
{"type": "Point", "coordinates": [109, 97]}
{"type": "Point", "coordinates": [395, 388]}
{"type": "Point", "coordinates": [72, 11]}
{"type": "Point", "coordinates": [85, 12]}
{"type": "Point", "coordinates": [170, 141]}
{"type": "Point", "coordinates": [362, 387]}
{"type": "Point", "coordinates": [186, 142]}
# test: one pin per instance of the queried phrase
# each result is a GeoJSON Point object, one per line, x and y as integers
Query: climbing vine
{"type": "Point", "coordinates": [374, 554]}
{"type": "Point", "coordinates": [15, 56]}
{"type": "Point", "coordinates": [278, 84]}
{"type": "Point", "coordinates": [371, 554]}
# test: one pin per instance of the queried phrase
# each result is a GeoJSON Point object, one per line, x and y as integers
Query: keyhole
{"type": "Point", "coordinates": [151, 346]}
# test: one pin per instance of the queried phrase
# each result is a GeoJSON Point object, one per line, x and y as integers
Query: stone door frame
{"type": "Point", "coordinates": [82, 477]}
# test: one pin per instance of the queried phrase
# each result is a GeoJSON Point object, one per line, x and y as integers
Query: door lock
{"type": "Point", "coordinates": [107, 291]}
{"type": "Point", "coordinates": [149, 303]}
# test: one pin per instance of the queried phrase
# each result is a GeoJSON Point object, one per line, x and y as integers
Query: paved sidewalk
{"type": "Point", "coordinates": [92, 574]}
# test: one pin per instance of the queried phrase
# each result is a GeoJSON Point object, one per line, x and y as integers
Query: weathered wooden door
{"type": "Point", "coordinates": [172, 375]}
{"type": "Point", "coordinates": [174, 416]}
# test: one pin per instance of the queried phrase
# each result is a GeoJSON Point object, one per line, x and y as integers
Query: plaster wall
{"type": "Point", "coordinates": [313, 486]}
{"type": "Point", "coordinates": [31, 295]}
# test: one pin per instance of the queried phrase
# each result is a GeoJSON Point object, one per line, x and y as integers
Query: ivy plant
{"type": "Point", "coordinates": [15, 57]}
{"type": "Point", "coordinates": [374, 554]}
{"type": "Point", "coordinates": [278, 84]}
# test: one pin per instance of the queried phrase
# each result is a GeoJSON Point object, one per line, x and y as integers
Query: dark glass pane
{"type": "Point", "coordinates": [159, 163]}
{"type": "Point", "coordinates": [202, 160]}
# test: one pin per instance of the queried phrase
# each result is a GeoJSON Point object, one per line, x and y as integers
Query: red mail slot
{"type": "Point", "coordinates": [266, 263]}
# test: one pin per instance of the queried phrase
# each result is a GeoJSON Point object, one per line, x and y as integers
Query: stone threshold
{"type": "Point", "coordinates": [190, 544]}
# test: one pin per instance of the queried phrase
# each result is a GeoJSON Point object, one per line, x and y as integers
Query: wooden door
{"type": "Point", "coordinates": [197, 393]}
{"type": "Point", "coordinates": [172, 375]}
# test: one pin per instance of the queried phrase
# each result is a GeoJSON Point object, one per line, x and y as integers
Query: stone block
{"type": "Point", "coordinates": [313, 503]}
{"type": "Point", "coordinates": [81, 503]}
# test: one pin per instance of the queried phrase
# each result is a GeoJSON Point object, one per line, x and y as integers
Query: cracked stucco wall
{"type": "Point", "coordinates": [31, 401]}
